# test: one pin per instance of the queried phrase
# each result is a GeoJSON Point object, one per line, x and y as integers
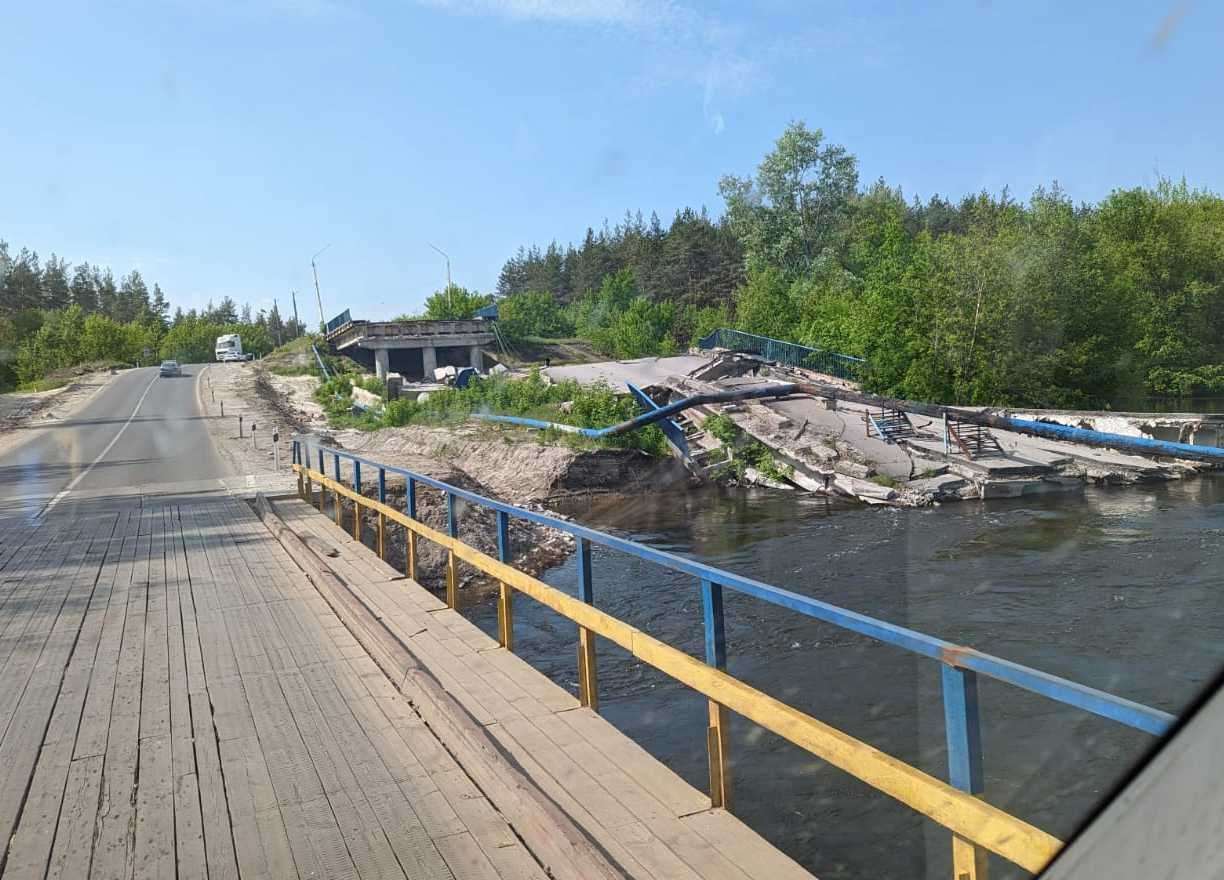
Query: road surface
{"type": "Point", "coordinates": [141, 433]}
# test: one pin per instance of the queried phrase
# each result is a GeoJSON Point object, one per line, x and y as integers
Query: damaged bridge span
{"type": "Point", "coordinates": [1046, 430]}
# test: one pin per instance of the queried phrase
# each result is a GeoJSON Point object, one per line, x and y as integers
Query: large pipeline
{"type": "Point", "coordinates": [1065, 433]}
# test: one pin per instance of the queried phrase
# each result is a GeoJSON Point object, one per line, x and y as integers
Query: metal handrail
{"type": "Point", "coordinates": [843, 366]}
{"type": "Point", "coordinates": [960, 665]}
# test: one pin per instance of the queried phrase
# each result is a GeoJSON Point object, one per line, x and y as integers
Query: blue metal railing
{"type": "Point", "coordinates": [339, 321]}
{"type": "Point", "coordinates": [792, 354]}
{"type": "Point", "coordinates": [960, 665]}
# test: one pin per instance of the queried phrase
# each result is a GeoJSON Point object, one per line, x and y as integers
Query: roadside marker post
{"type": "Point", "coordinates": [254, 445]}
{"type": "Point", "coordinates": [240, 426]}
{"type": "Point", "coordinates": [276, 448]}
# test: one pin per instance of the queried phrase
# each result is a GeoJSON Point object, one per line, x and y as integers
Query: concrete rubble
{"type": "Point", "coordinates": [834, 447]}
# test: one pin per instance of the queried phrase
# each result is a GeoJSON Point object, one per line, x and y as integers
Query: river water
{"type": "Point", "coordinates": [1115, 588]}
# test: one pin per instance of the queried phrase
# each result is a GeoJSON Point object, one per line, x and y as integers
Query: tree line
{"type": "Point", "coordinates": [55, 316]}
{"type": "Point", "coordinates": [981, 300]}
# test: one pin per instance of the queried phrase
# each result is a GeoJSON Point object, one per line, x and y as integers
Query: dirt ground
{"type": "Point", "coordinates": [503, 465]}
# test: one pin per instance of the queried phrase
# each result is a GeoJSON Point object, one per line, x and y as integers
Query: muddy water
{"type": "Point", "coordinates": [1119, 589]}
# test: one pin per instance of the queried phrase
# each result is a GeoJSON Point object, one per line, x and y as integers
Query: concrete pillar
{"type": "Point", "coordinates": [382, 363]}
{"type": "Point", "coordinates": [429, 361]}
{"type": "Point", "coordinates": [477, 360]}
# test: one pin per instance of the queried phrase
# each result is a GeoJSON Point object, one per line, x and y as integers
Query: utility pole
{"type": "Point", "coordinates": [296, 322]}
{"type": "Point", "coordinates": [449, 304]}
{"type": "Point", "coordinates": [319, 296]}
{"type": "Point", "coordinates": [279, 322]}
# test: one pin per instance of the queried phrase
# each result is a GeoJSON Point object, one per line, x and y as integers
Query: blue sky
{"type": "Point", "coordinates": [217, 145]}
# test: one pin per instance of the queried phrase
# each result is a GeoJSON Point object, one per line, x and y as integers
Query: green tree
{"type": "Point", "coordinates": [793, 213]}
{"type": "Point", "coordinates": [158, 306]}
{"type": "Point", "coordinates": [55, 290]}
{"type": "Point", "coordinates": [108, 293]}
{"type": "Point", "coordinates": [532, 313]}
{"type": "Point", "coordinates": [642, 329]}
{"type": "Point", "coordinates": [455, 303]}
{"type": "Point", "coordinates": [22, 284]}
{"type": "Point", "coordinates": [82, 291]}
{"type": "Point", "coordinates": [764, 305]}
{"type": "Point", "coordinates": [133, 301]}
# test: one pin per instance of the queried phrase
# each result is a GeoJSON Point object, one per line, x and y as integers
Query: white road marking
{"type": "Point", "coordinates": [109, 446]}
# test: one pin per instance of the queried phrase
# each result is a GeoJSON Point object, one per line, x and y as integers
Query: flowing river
{"type": "Point", "coordinates": [1115, 588]}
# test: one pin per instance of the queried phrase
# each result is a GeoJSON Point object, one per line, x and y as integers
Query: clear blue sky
{"type": "Point", "coordinates": [216, 145]}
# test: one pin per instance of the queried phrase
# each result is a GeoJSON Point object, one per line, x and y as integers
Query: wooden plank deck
{"type": "Point", "coordinates": [179, 698]}
{"type": "Point", "coordinates": [645, 817]}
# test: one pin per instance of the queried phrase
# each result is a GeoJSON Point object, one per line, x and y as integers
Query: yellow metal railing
{"type": "Point", "coordinates": [974, 823]}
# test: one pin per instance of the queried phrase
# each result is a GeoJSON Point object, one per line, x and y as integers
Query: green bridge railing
{"type": "Point", "coordinates": [792, 354]}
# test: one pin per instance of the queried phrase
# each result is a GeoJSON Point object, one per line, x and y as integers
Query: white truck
{"type": "Point", "coordinates": [229, 348]}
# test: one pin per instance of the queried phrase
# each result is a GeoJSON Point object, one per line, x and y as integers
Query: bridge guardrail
{"type": "Point", "coordinates": [976, 826]}
{"type": "Point", "coordinates": [792, 354]}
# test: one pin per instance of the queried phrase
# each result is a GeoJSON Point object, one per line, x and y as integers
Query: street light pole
{"type": "Point", "coordinates": [449, 303]}
{"type": "Point", "coordinates": [319, 296]}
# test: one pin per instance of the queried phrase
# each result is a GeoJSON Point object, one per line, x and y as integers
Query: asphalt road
{"type": "Point", "coordinates": [140, 432]}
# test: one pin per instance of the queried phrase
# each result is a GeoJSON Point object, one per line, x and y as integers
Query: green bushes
{"type": "Point", "coordinates": [68, 337]}
{"type": "Point", "coordinates": [533, 313]}
{"type": "Point", "coordinates": [748, 451]}
{"type": "Point", "coordinates": [531, 397]}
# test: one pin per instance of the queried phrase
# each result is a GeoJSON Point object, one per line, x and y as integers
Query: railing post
{"type": "Point", "coordinates": [382, 517]}
{"type": "Point", "coordinates": [452, 573]}
{"type": "Point", "coordinates": [588, 677]}
{"type": "Point", "coordinates": [339, 497]}
{"type": "Point", "coordinates": [717, 731]}
{"type": "Point", "coordinates": [410, 537]}
{"type": "Point", "coordinates": [296, 457]}
{"type": "Point", "coordinates": [963, 728]}
{"type": "Point", "coordinates": [322, 486]}
{"type": "Point", "coordinates": [505, 595]}
{"type": "Point", "coordinates": [356, 503]}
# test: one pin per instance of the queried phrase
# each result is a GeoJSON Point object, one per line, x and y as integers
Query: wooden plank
{"type": "Point", "coordinates": [260, 839]}
{"type": "Point", "coordinates": [37, 606]}
{"type": "Point", "coordinates": [39, 663]}
{"type": "Point", "coordinates": [155, 679]}
{"type": "Point", "coordinates": [670, 789]}
{"type": "Point", "coordinates": [744, 847]}
{"type": "Point", "coordinates": [190, 859]}
{"type": "Point", "coordinates": [465, 858]}
{"type": "Point", "coordinates": [74, 836]}
{"type": "Point", "coordinates": [95, 716]}
{"type": "Point", "coordinates": [417, 854]}
{"type": "Point", "coordinates": [155, 853]}
{"type": "Point", "coordinates": [32, 844]}
{"type": "Point", "coordinates": [531, 681]}
{"type": "Point", "coordinates": [364, 838]}
{"type": "Point", "coordinates": [555, 769]}
{"type": "Point", "coordinates": [214, 810]}
{"type": "Point", "coordinates": [114, 848]}
{"type": "Point", "coordinates": [653, 854]}
{"type": "Point", "coordinates": [30, 848]}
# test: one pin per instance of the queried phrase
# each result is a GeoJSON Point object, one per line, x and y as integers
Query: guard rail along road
{"type": "Point", "coordinates": [977, 828]}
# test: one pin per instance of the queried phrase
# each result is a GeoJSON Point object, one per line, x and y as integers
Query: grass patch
{"type": "Point", "coordinates": [47, 383]}
{"type": "Point", "coordinates": [745, 451]}
{"type": "Point", "coordinates": [569, 403]}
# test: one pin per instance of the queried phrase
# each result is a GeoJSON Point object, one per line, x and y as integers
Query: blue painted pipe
{"type": "Point", "coordinates": [648, 418]}
{"type": "Point", "coordinates": [1048, 430]}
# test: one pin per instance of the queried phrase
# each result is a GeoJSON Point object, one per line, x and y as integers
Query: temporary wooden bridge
{"type": "Point", "coordinates": [182, 695]}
